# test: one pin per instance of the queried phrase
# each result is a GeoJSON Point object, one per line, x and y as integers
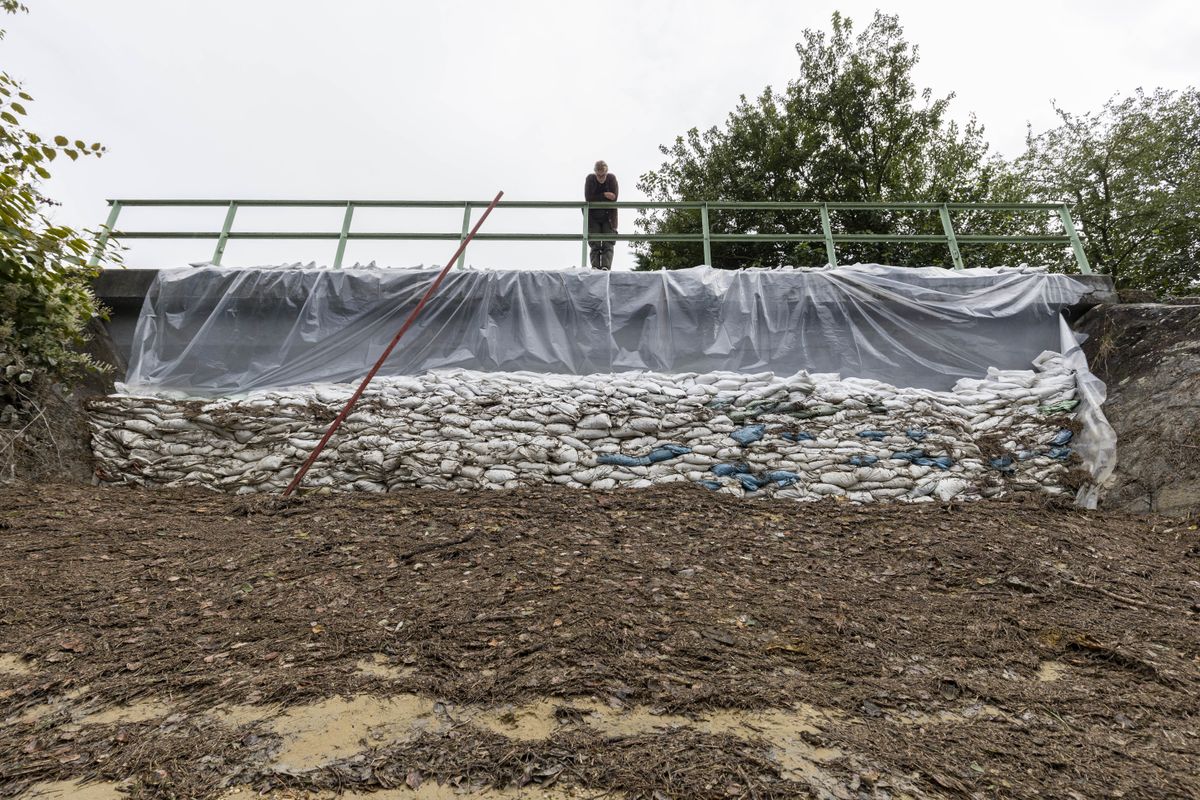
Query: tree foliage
{"type": "Point", "coordinates": [1132, 174]}
{"type": "Point", "coordinates": [851, 127]}
{"type": "Point", "coordinates": [45, 296]}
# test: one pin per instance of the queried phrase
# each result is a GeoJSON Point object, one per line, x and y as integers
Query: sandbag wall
{"type": "Point", "coordinates": [802, 436]}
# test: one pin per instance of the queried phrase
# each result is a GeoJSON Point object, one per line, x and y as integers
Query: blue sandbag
{"type": "Point", "coordinates": [1003, 464]}
{"type": "Point", "coordinates": [666, 452]}
{"type": "Point", "coordinates": [941, 462]}
{"type": "Point", "coordinates": [622, 460]}
{"type": "Point", "coordinates": [1025, 455]}
{"type": "Point", "coordinates": [713, 485]}
{"type": "Point", "coordinates": [1061, 438]}
{"type": "Point", "coordinates": [799, 436]}
{"type": "Point", "coordinates": [915, 434]}
{"type": "Point", "coordinates": [908, 455]}
{"type": "Point", "coordinates": [863, 461]}
{"type": "Point", "coordinates": [748, 434]}
{"type": "Point", "coordinates": [725, 470]}
{"type": "Point", "coordinates": [662, 453]}
{"type": "Point", "coordinates": [751, 483]}
{"type": "Point", "coordinates": [782, 477]}
{"type": "Point", "coordinates": [875, 436]}
{"type": "Point", "coordinates": [1061, 453]}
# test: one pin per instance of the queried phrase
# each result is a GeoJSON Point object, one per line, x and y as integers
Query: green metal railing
{"type": "Point", "coordinates": [831, 239]}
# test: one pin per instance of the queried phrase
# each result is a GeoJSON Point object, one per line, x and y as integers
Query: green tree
{"type": "Point", "coordinates": [45, 297]}
{"type": "Point", "coordinates": [851, 127]}
{"type": "Point", "coordinates": [1132, 174]}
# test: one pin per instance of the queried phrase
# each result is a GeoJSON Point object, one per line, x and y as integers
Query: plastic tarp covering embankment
{"type": "Point", "coordinates": [212, 331]}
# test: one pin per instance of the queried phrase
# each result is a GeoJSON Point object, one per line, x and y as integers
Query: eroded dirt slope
{"type": "Point", "coordinates": [1148, 354]}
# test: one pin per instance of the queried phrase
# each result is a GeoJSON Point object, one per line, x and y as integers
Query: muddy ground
{"type": "Point", "coordinates": [667, 643]}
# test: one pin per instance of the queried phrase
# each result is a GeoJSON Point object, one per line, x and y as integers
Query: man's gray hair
{"type": "Point", "coordinates": [600, 164]}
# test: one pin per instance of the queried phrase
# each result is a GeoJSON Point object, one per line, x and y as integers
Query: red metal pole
{"type": "Point", "coordinates": [337, 423]}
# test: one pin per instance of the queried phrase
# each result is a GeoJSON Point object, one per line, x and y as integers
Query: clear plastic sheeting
{"type": "Point", "coordinates": [219, 331]}
{"type": "Point", "coordinates": [1097, 441]}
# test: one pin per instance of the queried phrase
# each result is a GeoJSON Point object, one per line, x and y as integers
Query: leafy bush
{"type": "Point", "coordinates": [45, 281]}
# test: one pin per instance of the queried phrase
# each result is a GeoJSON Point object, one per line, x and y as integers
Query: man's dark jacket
{"type": "Point", "coordinates": [593, 192]}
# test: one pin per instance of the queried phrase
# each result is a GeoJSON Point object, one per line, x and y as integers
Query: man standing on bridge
{"type": "Point", "coordinates": [600, 186]}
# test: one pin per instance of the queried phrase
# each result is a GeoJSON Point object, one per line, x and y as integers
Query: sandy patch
{"type": "Point", "coordinates": [529, 722]}
{"type": "Point", "coordinates": [784, 729]}
{"type": "Point", "coordinates": [74, 790]}
{"type": "Point", "coordinates": [238, 715]}
{"type": "Point", "coordinates": [317, 734]}
{"type": "Point", "coordinates": [383, 667]}
{"type": "Point", "coordinates": [14, 665]}
{"type": "Point", "coordinates": [1050, 671]}
{"type": "Point", "coordinates": [336, 728]}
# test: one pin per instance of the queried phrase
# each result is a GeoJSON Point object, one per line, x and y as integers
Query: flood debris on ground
{"type": "Point", "coordinates": [666, 643]}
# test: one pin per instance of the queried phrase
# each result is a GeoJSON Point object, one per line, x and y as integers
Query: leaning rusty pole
{"type": "Point", "coordinates": [337, 422]}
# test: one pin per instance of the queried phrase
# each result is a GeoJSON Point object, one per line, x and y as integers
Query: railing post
{"type": "Point", "coordinates": [1064, 214]}
{"type": "Point", "coordinates": [955, 256]}
{"type": "Point", "coordinates": [220, 251]}
{"type": "Point", "coordinates": [707, 234]}
{"type": "Point", "coordinates": [587, 209]}
{"type": "Point", "coordinates": [105, 234]}
{"type": "Point", "coordinates": [827, 232]}
{"type": "Point", "coordinates": [462, 256]}
{"type": "Point", "coordinates": [341, 248]}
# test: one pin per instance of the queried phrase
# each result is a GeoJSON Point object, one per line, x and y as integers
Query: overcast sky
{"type": "Point", "coordinates": [452, 100]}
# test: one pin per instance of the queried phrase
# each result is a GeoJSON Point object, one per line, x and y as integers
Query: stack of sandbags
{"type": "Point", "coordinates": [801, 436]}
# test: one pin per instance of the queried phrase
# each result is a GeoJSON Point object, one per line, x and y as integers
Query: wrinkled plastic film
{"type": "Point", "coordinates": [1096, 443]}
{"type": "Point", "coordinates": [222, 331]}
